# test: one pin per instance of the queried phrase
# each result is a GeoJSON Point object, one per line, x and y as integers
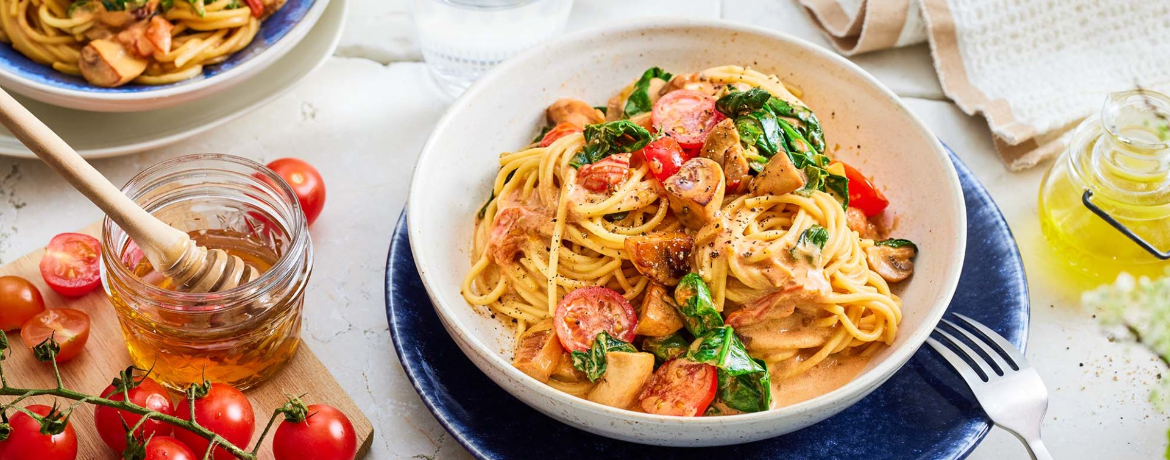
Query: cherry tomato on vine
{"type": "Point", "coordinates": [26, 442]}
{"type": "Point", "coordinates": [168, 448]}
{"type": "Point", "coordinates": [305, 181]}
{"type": "Point", "coordinates": [69, 327]}
{"type": "Point", "coordinates": [325, 434]}
{"type": "Point", "coordinates": [19, 301]}
{"type": "Point", "coordinates": [225, 411]}
{"type": "Point", "coordinates": [146, 393]}
{"type": "Point", "coordinates": [71, 262]}
{"type": "Point", "coordinates": [863, 194]}
{"type": "Point", "coordinates": [585, 312]}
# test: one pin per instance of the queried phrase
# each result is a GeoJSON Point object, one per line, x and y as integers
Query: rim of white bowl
{"type": "Point", "coordinates": [282, 46]}
{"type": "Point", "coordinates": [868, 380]}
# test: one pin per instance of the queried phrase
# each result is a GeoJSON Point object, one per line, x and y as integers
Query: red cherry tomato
{"type": "Point", "coordinates": [680, 387]}
{"type": "Point", "coordinates": [305, 181]}
{"type": "Point", "coordinates": [687, 116]}
{"type": "Point", "coordinates": [586, 312]}
{"type": "Point", "coordinates": [148, 394]}
{"type": "Point", "coordinates": [665, 157]}
{"type": "Point", "coordinates": [562, 129]}
{"type": "Point", "coordinates": [326, 434]}
{"type": "Point", "coordinates": [256, 6]}
{"type": "Point", "coordinates": [69, 327]}
{"type": "Point", "coordinates": [226, 412]}
{"type": "Point", "coordinates": [605, 174]}
{"type": "Point", "coordinates": [70, 264]}
{"type": "Point", "coordinates": [168, 448]}
{"type": "Point", "coordinates": [19, 301]}
{"type": "Point", "coordinates": [862, 193]}
{"type": "Point", "coordinates": [26, 442]}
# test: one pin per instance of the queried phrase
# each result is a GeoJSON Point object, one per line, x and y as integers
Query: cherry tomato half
{"type": "Point", "coordinates": [862, 193]}
{"type": "Point", "coordinates": [226, 412]}
{"type": "Point", "coordinates": [68, 326]}
{"type": "Point", "coordinates": [687, 116]}
{"type": "Point", "coordinates": [168, 448]}
{"type": "Point", "coordinates": [148, 394]}
{"type": "Point", "coordinates": [70, 264]}
{"type": "Point", "coordinates": [665, 157]}
{"type": "Point", "coordinates": [562, 129]}
{"type": "Point", "coordinates": [605, 174]}
{"type": "Point", "coordinates": [305, 181]}
{"type": "Point", "coordinates": [19, 301]}
{"type": "Point", "coordinates": [26, 441]}
{"type": "Point", "coordinates": [326, 434]}
{"type": "Point", "coordinates": [587, 311]}
{"type": "Point", "coordinates": [680, 387]}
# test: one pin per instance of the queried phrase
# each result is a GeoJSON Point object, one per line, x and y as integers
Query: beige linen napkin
{"type": "Point", "coordinates": [1033, 68]}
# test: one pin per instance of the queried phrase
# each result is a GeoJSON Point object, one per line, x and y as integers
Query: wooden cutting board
{"type": "Point", "coordinates": [105, 355]}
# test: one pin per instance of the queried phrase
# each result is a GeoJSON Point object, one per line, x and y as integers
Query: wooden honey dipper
{"type": "Point", "coordinates": [192, 268]}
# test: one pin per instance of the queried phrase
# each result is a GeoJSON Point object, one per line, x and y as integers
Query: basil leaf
{"type": "Point", "coordinates": [695, 305]}
{"type": "Point", "coordinates": [897, 243]}
{"type": "Point", "coordinates": [593, 362]}
{"type": "Point", "coordinates": [665, 348]}
{"type": "Point", "coordinates": [721, 348]}
{"type": "Point", "coordinates": [751, 392]}
{"type": "Point", "coordinates": [738, 103]}
{"type": "Point", "coordinates": [605, 139]}
{"type": "Point", "coordinates": [639, 100]}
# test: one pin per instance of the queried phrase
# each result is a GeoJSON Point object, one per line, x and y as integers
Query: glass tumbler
{"type": "Point", "coordinates": [463, 39]}
{"type": "Point", "coordinates": [241, 336]}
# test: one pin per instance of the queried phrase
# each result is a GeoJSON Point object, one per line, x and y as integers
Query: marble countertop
{"type": "Point", "coordinates": [362, 118]}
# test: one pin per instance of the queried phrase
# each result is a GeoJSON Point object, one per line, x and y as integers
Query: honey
{"type": "Point", "coordinates": [241, 336]}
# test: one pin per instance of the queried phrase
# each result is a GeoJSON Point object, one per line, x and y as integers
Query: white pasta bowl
{"type": "Point", "coordinates": [864, 124]}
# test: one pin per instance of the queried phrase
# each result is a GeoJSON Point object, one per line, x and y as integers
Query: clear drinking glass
{"type": "Point", "coordinates": [463, 39]}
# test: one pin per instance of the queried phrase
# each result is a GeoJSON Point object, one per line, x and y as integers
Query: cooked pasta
{"type": "Point", "coordinates": [713, 185]}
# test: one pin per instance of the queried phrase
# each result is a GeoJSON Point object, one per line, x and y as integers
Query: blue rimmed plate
{"type": "Point", "coordinates": [278, 34]}
{"type": "Point", "coordinates": [924, 411]}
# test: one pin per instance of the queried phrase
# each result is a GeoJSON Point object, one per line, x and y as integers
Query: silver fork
{"type": "Point", "coordinates": [1007, 387]}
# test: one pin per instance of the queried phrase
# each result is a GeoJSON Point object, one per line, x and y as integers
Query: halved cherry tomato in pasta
{"type": "Point", "coordinates": [70, 264]}
{"type": "Point", "coordinates": [67, 326]}
{"type": "Point", "coordinates": [680, 387]}
{"type": "Point", "coordinates": [605, 174]}
{"type": "Point", "coordinates": [863, 194]}
{"type": "Point", "coordinates": [587, 311]}
{"type": "Point", "coordinates": [687, 116]}
{"type": "Point", "coordinates": [256, 6]}
{"type": "Point", "coordinates": [562, 129]}
{"type": "Point", "coordinates": [665, 157]}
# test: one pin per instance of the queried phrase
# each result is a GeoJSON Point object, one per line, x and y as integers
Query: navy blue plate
{"type": "Point", "coordinates": [924, 411]}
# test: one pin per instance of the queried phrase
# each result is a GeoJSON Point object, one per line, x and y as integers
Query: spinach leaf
{"type": "Point", "coordinates": [897, 243]}
{"type": "Point", "coordinates": [603, 109]}
{"type": "Point", "coordinates": [593, 362]}
{"type": "Point", "coordinates": [796, 143]}
{"type": "Point", "coordinates": [811, 241]}
{"type": "Point", "coordinates": [639, 100]}
{"type": "Point", "coordinates": [695, 305]}
{"type": "Point", "coordinates": [819, 179]}
{"type": "Point", "coordinates": [721, 348]}
{"type": "Point", "coordinates": [838, 186]}
{"type": "Point", "coordinates": [751, 392]}
{"type": "Point", "coordinates": [605, 139]}
{"type": "Point", "coordinates": [811, 128]}
{"type": "Point", "coordinates": [737, 103]}
{"type": "Point", "coordinates": [483, 209]}
{"type": "Point", "coordinates": [543, 131]}
{"type": "Point", "coordinates": [665, 348]}
{"type": "Point", "coordinates": [617, 216]}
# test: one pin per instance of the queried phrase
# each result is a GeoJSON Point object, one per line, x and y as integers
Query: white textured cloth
{"type": "Point", "coordinates": [1033, 68]}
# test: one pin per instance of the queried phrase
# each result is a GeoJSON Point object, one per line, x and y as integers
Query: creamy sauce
{"type": "Point", "coordinates": [830, 374]}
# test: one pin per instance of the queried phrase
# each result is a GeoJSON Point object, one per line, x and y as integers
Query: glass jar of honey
{"type": "Point", "coordinates": [241, 336]}
{"type": "Point", "coordinates": [1105, 204]}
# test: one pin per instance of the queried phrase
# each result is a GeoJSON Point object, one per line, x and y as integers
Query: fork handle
{"type": "Point", "coordinates": [1037, 450]}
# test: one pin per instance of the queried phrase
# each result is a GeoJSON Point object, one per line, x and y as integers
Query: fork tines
{"type": "Point", "coordinates": [992, 356]}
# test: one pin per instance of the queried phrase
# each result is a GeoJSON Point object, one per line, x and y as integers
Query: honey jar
{"type": "Point", "coordinates": [240, 336]}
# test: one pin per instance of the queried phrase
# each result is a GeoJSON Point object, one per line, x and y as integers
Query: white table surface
{"type": "Point", "coordinates": [362, 119]}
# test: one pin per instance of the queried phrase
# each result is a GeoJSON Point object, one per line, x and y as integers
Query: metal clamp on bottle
{"type": "Point", "coordinates": [1087, 199]}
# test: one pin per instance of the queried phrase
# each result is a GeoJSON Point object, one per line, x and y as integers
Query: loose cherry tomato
{"type": "Point", "coordinates": [665, 157]}
{"type": "Point", "coordinates": [26, 442]}
{"type": "Point", "coordinates": [325, 434]}
{"type": "Point", "coordinates": [562, 129]}
{"type": "Point", "coordinates": [19, 301]}
{"type": "Point", "coordinates": [587, 311]}
{"type": "Point", "coordinates": [168, 448]}
{"type": "Point", "coordinates": [606, 174]}
{"type": "Point", "coordinates": [862, 193]}
{"type": "Point", "coordinates": [68, 326]}
{"type": "Point", "coordinates": [226, 412]}
{"type": "Point", "coordinates": [70, 264]}
{"type": "Point", "coordinates": [148, 394]}
{"type": "Point", "coordinates": [305, 181]}
{"type": "Point", "coordinates": [680, 387]}
{"type": "Point", "coordinates": [687, 116]}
